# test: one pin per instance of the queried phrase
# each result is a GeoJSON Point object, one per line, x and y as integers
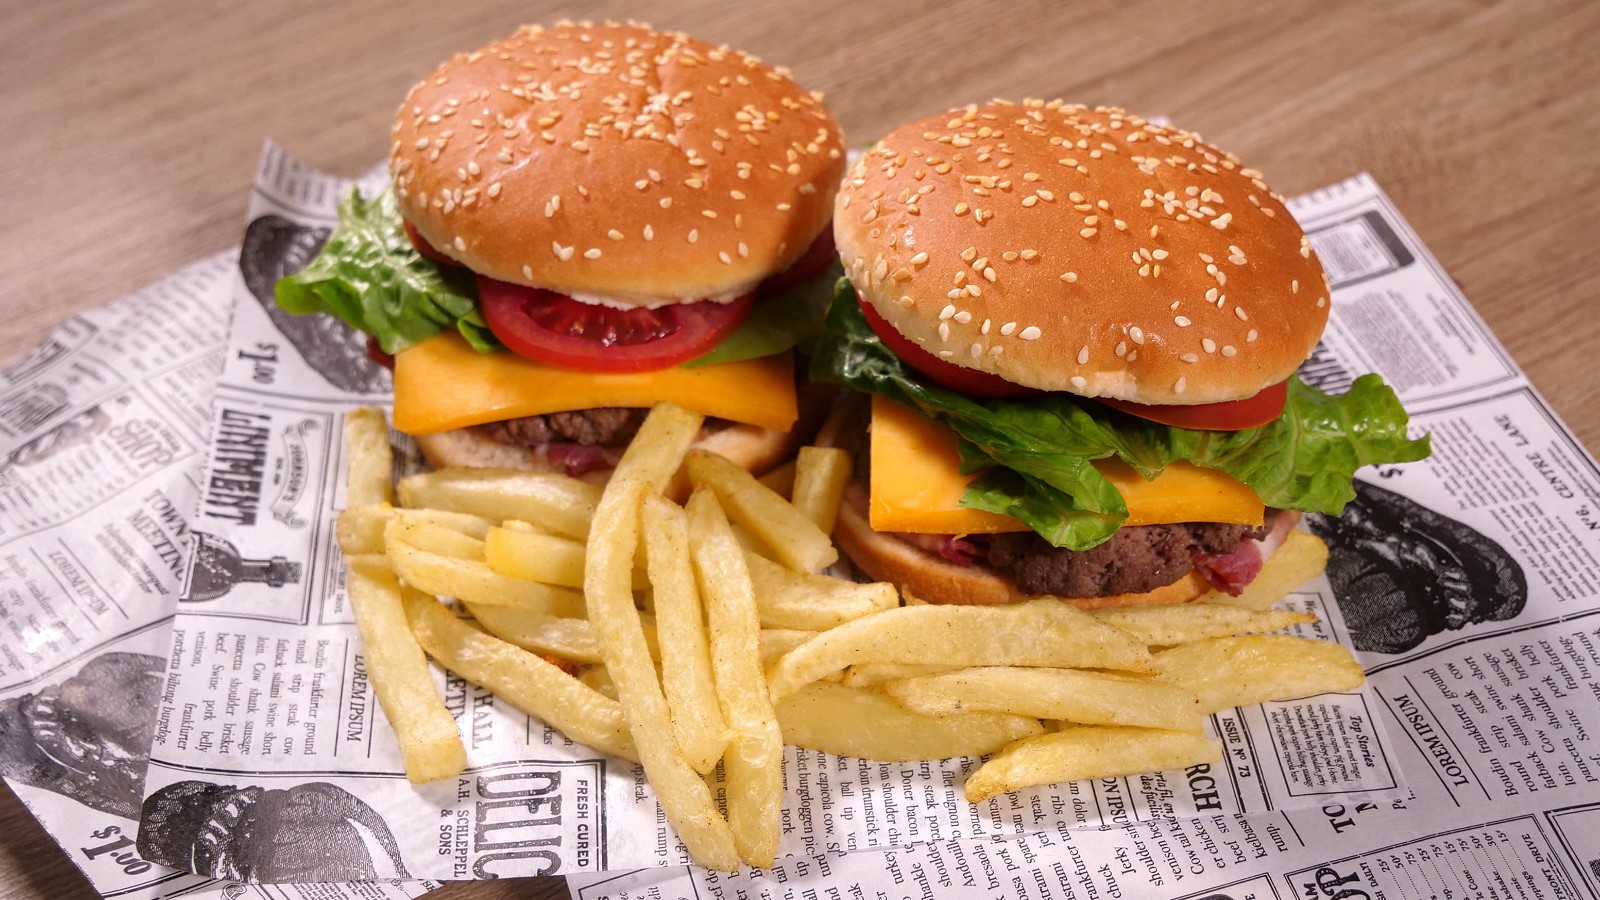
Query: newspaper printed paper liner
{"type": "Point", "coordinates": [268, 685]}
{"type": "Point", "coordinates": [1488, 670]}
{"type": "Point", "coordinates": [102, 432]}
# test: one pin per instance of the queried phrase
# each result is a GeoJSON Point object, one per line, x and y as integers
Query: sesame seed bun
{"type": "Point", "coordinates": [616, 160]}
{"type": "Point", "coordinates": [1080, 250]}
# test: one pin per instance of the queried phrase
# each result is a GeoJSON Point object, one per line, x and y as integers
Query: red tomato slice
{"type": "Point", "coordinates": [962, 380]}
{"type": "Point", "coordinates": [817, 258]}
{"type": "Point", "coordinates": [1232, 415]}
{"type": "Point", "coordinates": [560, 331]}
{"type": "Point", "coordinates": [427, 250]}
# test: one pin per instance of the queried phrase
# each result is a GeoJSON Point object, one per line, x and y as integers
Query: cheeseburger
{"type": "Point", "coordinates": [1080, 330]}
{"type": "Point", "coordinates": [584, 221]}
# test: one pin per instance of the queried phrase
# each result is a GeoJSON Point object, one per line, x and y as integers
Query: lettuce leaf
{"type": "Point", "coordinates": [790, 319]}
{"type": "Point", "coordinates": [369, 275]}
{"type": "Point", "coordinates": [1036, 452]}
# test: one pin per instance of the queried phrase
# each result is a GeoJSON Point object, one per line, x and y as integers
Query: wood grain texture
{"type": "Point", "coordinates": [132, 130]}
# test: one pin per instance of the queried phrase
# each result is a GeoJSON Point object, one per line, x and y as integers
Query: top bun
{"type": "Point", "coordinates": [1080, 250]}
{"type": "Point", "coordinates": [616, 160]}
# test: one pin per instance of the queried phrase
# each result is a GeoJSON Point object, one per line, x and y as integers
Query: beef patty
{"type": "Point", "coordinates": [603, 426]}
{"type": "Point", "coordinates": [1136, 559]}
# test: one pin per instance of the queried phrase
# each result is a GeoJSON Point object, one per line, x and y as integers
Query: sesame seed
{"type": "Point", "coordinates": [1137, 334]}
{"type": "Point", "coordinates": [1083, 354]}
{"type": "Point", "coordinates": [494, 189]}
{"type": "Point", "coordinates": [1069, 277]}
{"type": "Point", "coordinates": [726, 259]}
{"type": "Point", "coordinates": [744, 251]}
{"type": "Point", "coordinates": [1294, 286]}
{"type": "Point", "coordinates": [947, 312]}
{"type": "Point", "coordinates": [563, 253]}
{"type": "Point", "coordinates": [963, 317]}
{"type": "Point", "coordinates": [944, 331]}
{"type": "Point", "coordinates": [592, 253]}
{"type": "Point", "coordinates": [1190, 357]}
{"type": "Point", "coordinates": [1182, 321]}
{"type": "Point", "coordinates": [1008, 328]}
{"type": "Point", "coordinates": [1088, 232]}
{"type": "Point", "coordinates": [1229, 350]}
{"type": "Point", "coordinates": [1031, 333]}
{"type": "Point", "coordinates": [1321, 302]}
{"type": "Point", "coordinates": [1029, 201]}
{"type": "Point", "coordinates": [1251, 337]}
{"type": "Point", "coordinates": [1179, 385]}
{"type": "Point", "coordinates": [527, 272]}
{"type": "Point", "coordinates": [649, 233]}
{"type": "Point", "coordinates": [1239, 311]}
{"type": "Point", "coordinates": [969, 254]}
{"type": "Point", "coordinates": [989, 274]}
{"type": "Point", "coordinates": [920, 259]}
{"type": "Point", "coordinates": [1029, 254]}
{"type": "Point", "coordinates": [460, 244]}
{"type": "Point", "coordinates": [1208, 345]}
{"type": "Point", "coordinates": [1079, 382]}
{"type": "Point", "coordinates": [614, 234]}
{"type": "Point", "coordinates": [694, 235]}
{"type": "Point", "coordinates": [1122, 349]}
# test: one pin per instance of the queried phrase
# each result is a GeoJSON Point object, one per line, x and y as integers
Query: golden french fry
{"type": "Point", "coordinates": [801, 600]}
{"type": "Point", "coordinates": [598, 678]}
{"type": "Point", "coordinates": [753, 762]}
{"type": "Point", "coordinates": [697, 720]}
{"type": "Point", "coordinates": [821, 474]}
{"type": "Point", "coordinates": [1087, 698]}
{"type": "Point", "coordinates": [1243, 671]}
{"type": "Point", "coordinates": [536, 556]}
{"type": "Point", "coordinates": [1088, 752]}
{"type": "Point", "coordinates": [471, 581]}
{"type": "Point", "coordinates": [1302, 557]}
{"type": "Point", "coordinates": [433, 538]}
{"type": "Point", "coordinates": [520, 678]}
{"type": "Point", "coordinates": [567, 638]}
{"type": "Point", "coordinates": [780, 480]}
{"type": "Point", "coordinates": [423, 727]}
{"type": "Point", "coordinates": [776, 642]}
{"type": "Point", "coordinates": [371, 459]}
{"type": "Point", "coordinates": [561, 504]}
{"type": "Point", "coordinates": [796, 541]}
{"type": "Point", "coordinates": [871, 675]}
{"type": "Point", "coordinates": [1042, 632]}
{"type": "Point", "coordinates": [1163, 626]}
{"type": "Point", "coordinates": [469, 525]}
{"type": "Point", "coordinates": [646, 467]}
{"type": "Point", "coordinates": [850, 722]}
{"type": "Point", "coordinates": [359, 529]}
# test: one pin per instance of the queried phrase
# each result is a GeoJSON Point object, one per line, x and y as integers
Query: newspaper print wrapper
{"type": "Point", "coordinates": [1470, 586]}
{"type": "Point", "coordinates": [267, 691]}
{"type": "Point", "coordinates": [103, 429]}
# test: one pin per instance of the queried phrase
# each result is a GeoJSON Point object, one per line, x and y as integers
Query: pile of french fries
{"type": "Point", "coordinates": [683, 636]}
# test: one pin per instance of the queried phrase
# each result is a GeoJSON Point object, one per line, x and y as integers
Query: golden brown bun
{"type": "Point", "coordinates": [616, 160]}
{"type": "Point", "coordinates": [1082, 250]}
{"type": "Point", "coordinates": [916, 572]}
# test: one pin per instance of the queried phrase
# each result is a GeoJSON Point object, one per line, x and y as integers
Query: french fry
{"type": "Point", "coordinates": [646, 467]}
{"type": "Point", "coordinates": [821, 474]}
{"type": "Point", "coordinates": [536, 556]}
{"type": "Point", "coordinates": [830, 717]}
{"type": "Point", "coordinates": [1042, 632]}
{"type": "Point", "coordinates": [469, 525]}
{"type": "Point", "coordinates": [471, 581]}
{"type": "Point", "coordinates": [423, 727]}
{"type": "Point", "coordinates": [776, 642]}
{"type": "Point", "coordinates": [753, 762]}
{"type": "Point", "coordinates": [1087, 698]}
{"type": "Point", "coordinates": [567, 638]}
{"type": "Point", "coordinates": [371, 459]}
{"type": "Point", "coordinates": [1086, 752]}
{"type": "Point", "coordinates": [780, 480]}
{"type": "Point", "coordinates": [520, 678]}
{"type": "Point", "coordinates": [1243, 671]}
{"type": "Point", "coordinates": [561, 504]}
{"type": "Point", "coordinates": [1164, 626]}
{"type": "Point", "coordinates": [433, 538]}
{"type": "Point", "coordinates": [871, 675]}
{"type": "Point", "coordinates": [697, 719]}
{"type": "Point", "coordinates": [1302, 557]}
{"type": "Point", "coordinates": [795, 540]}
{"type": "Point", "coordinates": [801, 600]}
{"type": "Point", "coordinates": [598, 678]}
{"type": "Point", "coordinates": [359, 529]}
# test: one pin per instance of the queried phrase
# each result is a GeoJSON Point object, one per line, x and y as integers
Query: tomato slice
{"type": "Point", "coordinates": [1232, 415]}
{"type": "Point", "coordinates": [962, 380]}
{"type": "Point", "coordinates": [817, 258]}
{"type": "Point", "coordinates": [560, 331]}
{"type": "Point", "coordinates": [426, 249]}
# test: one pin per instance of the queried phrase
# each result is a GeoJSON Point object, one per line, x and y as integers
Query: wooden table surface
{"type": "Point", "coordinates": [131, 131]}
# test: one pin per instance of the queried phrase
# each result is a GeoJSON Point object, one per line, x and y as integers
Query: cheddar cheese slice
{"type": "Point", "coordinates": [442, 384]}
{"type": "Point", "coordinates": [917, 487]}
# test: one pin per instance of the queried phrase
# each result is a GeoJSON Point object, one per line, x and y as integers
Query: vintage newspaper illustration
{"type": "Point", "coordinates": [102, 432]}
{"type": "Point", "coordinates": [266, 686]}
{"type": "Point", "coordinates": [1470, 586]}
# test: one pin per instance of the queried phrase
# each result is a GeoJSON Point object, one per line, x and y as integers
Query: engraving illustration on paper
{"type": "Point", "coordinates": [218, 567]}
{"type": "Point", "coordinates": [1402, 572]}
{"type": "Point", "coordinates": [275, 247]}
{"type": "Point", "coordinates": [315, 832]}
{"type": "Point", "coordinates": [88, 737]}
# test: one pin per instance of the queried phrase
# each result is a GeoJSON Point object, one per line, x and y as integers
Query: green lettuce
{"type": "Point", "coordinates": [369, 275]}
{"type": "Point", "coordinates": [1036, 452]}
{"type": "Point", "coordinates": [790, 319]}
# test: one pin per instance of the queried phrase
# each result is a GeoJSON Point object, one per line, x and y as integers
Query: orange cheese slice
{"type": "Point", "coordinates": [443, 384]}
{"type": "Point", "coordinates": [916, 486]}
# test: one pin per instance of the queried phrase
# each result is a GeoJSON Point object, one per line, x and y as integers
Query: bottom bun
{"type": "Point", "coordinates": [919, 574]}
